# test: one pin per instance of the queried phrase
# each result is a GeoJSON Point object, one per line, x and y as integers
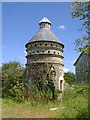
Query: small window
{"type": "Point", "coordinates": [33, 51]}
{"type": "Point", "coordinates": [44, 25]}
{"type": "Point", "coordinates": [48, 51]}
{"type": "Point", "coordinates": [58, 53]}
{"type": "Point", "coordinates": [37, 51]}
{"type": "Point", "coordinates": [35, 44]}
{"type": "Point", "coordinates": [42, 51]}
{"type": "Point", "coordinates": [54, 52]}
{"type": "Point", "coordinates": [40, 44]}
{"type": "Point", "coordinates": [56, 45]}
{"type": "Point", "coordinates": [51, 45]}
{"type": "Point", "coordinates": [45, 44]}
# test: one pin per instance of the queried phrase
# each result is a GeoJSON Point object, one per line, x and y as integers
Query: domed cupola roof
{"type": "Point", "coordinates": [44, 34]}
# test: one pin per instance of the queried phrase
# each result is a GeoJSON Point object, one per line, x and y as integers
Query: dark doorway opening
{"type": "Point", "coordinates": [61, 84]}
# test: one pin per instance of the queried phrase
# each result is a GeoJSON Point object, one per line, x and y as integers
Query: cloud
{"type": "Point", "coordinates": [66, 70]}
{"type": "Point", "coordinates": [61, 27]}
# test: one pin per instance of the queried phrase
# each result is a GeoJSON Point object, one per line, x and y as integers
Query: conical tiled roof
{"type": "Point", "coordinates": [44, 34]}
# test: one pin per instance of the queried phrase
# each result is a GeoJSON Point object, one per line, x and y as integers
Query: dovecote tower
{"type": "Point", "coordinates": [44, 59]}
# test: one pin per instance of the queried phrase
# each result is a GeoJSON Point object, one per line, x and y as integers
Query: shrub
{"type": "Point", "coordinates": [76, 101]}
{"type": "Point", "coordinates": [69, 77]}
{"type": "Point", "coordinates": [12, 73]}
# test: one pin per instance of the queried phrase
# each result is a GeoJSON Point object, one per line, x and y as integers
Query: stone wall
{"type": "Point", "coordinates": [49, 52]}
{"type": "Point", "coordinates": [81, 66]}
{"type": "Point", "coordinates": [45, 74]}
{"type": "Point", "coordinates": [44, 64]}
{"type": "Point", "coordinates": [44, 59]}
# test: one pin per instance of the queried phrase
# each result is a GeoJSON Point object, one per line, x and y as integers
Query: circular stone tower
{"type": "Point", "coordinates": [44, 59]}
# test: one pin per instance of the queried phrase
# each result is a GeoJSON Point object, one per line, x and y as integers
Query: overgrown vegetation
{"type": "Point", "coordinates": [74, 102]}
{"type": "Point", "coordinates": [42, 77]}
{"type": "Point", "coordinates": [12, 85]}
{"type": "Point", "coordinates": [69, 77]}
{"type": "Point", "coordinates": [12, 73]}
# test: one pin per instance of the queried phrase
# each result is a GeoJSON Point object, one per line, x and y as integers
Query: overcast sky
{"type": "Point", "coordinates": [21, 23]}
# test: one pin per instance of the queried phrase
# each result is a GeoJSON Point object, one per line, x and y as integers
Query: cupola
{"type": "Point", "coordinates": [45, 23]}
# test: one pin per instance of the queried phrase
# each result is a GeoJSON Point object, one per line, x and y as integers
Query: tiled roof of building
{"type": "Point", "coordinates": [44, 34]}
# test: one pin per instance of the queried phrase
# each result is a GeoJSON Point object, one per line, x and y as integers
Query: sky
{"type": "Point", "coordinates": [20, 22]}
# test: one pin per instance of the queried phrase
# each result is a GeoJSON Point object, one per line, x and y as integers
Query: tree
{"type": "Point", "coordinates": [81, 10]}
{"type": "Point", "coordinates": [12, 73]}
{"type": "Point", "coordinates": [69, 77]}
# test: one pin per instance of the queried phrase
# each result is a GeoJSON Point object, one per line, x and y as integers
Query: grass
{"type": "Point", "coordinates": [27, 110]}
{"type": "Point", "coordinates": [74, 104]}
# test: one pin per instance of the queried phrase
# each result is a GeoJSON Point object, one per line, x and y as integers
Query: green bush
{"type": "Point", "coordinates": [44, 95]}
{"type": "Point", "coordinates": [12, 74]}
{"type": "Point", "coordinates": [75, 101]}
{"type": "Point", "coordinates": [69, 77]}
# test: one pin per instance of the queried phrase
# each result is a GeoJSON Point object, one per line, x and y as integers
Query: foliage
{"type": "Point", "coordinates": [74, 104]}
{"type": "Point", "coordinates": [42, 77]}
{"type": "Point", "coordinates": [76, 100]}
{"type": "Point", "coordinates": [12, 73]}
{"type": "Point", "coordinates": [69, 77]}
{"type": "Point", "coordinates": [44, 95]}
{"type": "Point", "coordinates": [81, 10]}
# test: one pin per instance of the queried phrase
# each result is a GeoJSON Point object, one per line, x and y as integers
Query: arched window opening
{"type": "Point", "coordinates": [46, 44]}
{"type": "Point", "coordinates": [51, 45]}
{"type": "Point", "coordinates": [37, 51]}
{"type": "Point", "coordinates": [54, 52]}
{"type": "Point", "coordinates": [48, 51]}
{"type": "Point", "coordinates": [35, 44]}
